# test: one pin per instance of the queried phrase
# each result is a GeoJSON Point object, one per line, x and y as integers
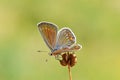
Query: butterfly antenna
{"type": "Point", "coordinates": [41, 51]}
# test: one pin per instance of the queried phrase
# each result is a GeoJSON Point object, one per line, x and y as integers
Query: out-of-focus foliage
{"type": "Point", "coordinates": [96, 24]}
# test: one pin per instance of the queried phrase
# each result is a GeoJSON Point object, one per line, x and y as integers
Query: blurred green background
{"type": "Point", "coordinates": [96, 24]}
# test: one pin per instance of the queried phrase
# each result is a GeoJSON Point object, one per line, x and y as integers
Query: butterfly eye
{"type": "Point", "coordinates": [50, 54]}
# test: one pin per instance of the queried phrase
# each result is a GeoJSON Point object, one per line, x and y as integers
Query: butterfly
{"type": "Point", "coordinates": [60, 41]}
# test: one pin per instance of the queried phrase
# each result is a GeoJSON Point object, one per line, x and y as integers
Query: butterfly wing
{"type": "Point", "coordinates": [65, 38]}
{"type": "Point", "coordinates": [49, 33]}
{"type": "Point", "coordinates": [75, 47]}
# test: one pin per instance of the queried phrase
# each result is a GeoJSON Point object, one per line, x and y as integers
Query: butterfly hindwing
{"type": "Point", "coordinates": [75, 47]}
{"type": "Point", "coordinates": [49, 33]}
{"type": "Point", "coordinates": [65, 38]}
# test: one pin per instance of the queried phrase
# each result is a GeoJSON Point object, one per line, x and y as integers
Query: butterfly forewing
{"type": "Point", "coordinates": [49, 33]}
{"type": "Point", "coordinates": [65, 38]}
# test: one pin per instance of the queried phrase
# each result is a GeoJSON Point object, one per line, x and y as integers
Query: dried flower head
{"type": "Point", "coordinates": [68, 58]}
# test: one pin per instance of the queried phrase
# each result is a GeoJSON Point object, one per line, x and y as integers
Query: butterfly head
{"type": "Point", "coordinates": [50, 54]}
{"type": "Point", "coordinates": [56, 52]}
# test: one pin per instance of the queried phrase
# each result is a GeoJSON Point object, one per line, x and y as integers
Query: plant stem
{"type": "Point", "coordinates": [70, 75]}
